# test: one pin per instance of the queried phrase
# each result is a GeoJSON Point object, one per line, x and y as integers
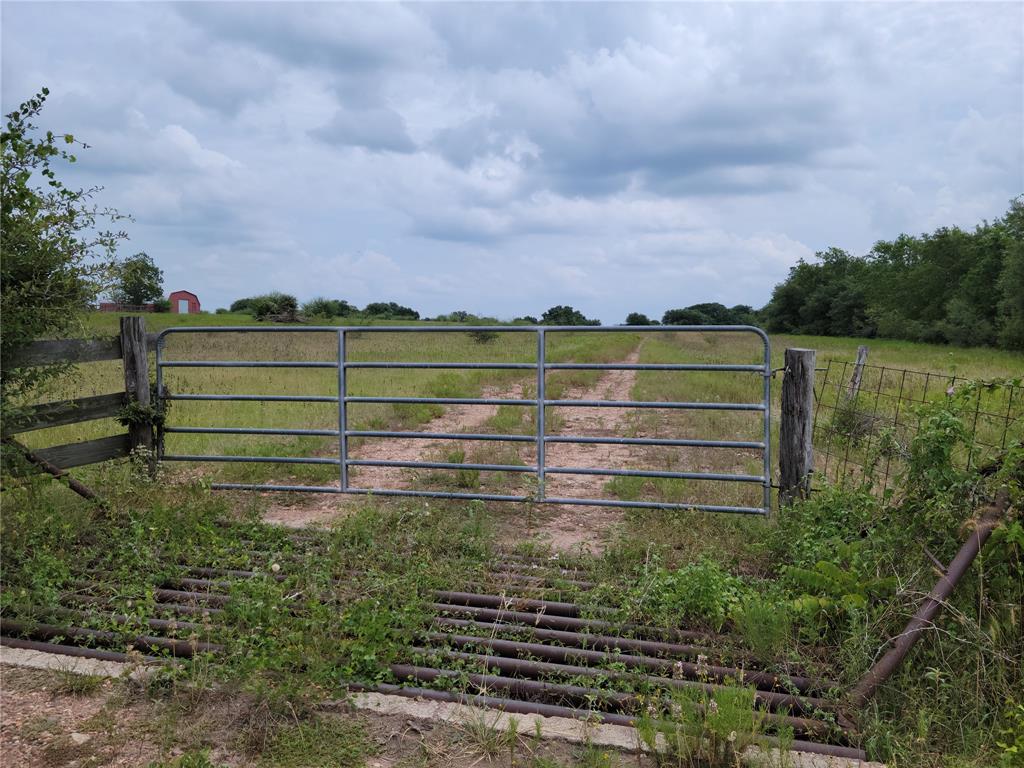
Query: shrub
{"type": "Point", "coordinates": [702, 591]}
{"type": "Point", "coordinates": [684, 317]}
{"type": "Point", "coordinates": [483, 337]}
{"type": "Point", "coordinates": [566, 315]}
{"type": "Point", "coordinates": [267, 305]}
{"type": "Point", "coordinates": [638, 318]}
{"type": "Point", "coordinates": [390, 310]}
{"type": "Point", "coordinates": [163, 305]}
{"type": "Point", "coordinates": [57, 258]}
{"type": "Point", "coordinates": [321, 307]}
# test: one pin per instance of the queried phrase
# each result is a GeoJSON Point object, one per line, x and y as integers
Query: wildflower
{"type": "Point", "coordinates": [702, 666]}
{"type": "Point", "coordinates": [713, 707]}
{"type": "Point", "coordinates": [677, 670]}
{"type": "Point", "coordinates": [732, 737]}
{"type": "Point", "coordinates": [275, 567]}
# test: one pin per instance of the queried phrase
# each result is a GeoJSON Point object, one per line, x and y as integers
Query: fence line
{"type": "Point", "coordinates": [865, 438]}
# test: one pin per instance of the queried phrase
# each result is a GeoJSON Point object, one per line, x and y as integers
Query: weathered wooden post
{"type": "Point", "coordinates": [796, 450]}
{"type": "Point", "coordinates": [858, 373]}
{"type": "Point", "coordinates": [136, 378]}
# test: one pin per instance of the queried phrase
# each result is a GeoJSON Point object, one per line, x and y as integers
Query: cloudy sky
{"type": "Point", "coordinates": [504, 158]}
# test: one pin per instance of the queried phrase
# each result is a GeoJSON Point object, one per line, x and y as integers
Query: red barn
{"type": "Point", "coordinates": [184, 302]}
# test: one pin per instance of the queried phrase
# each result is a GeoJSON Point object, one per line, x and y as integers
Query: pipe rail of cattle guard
{"type": "Point", "coordinates": [540, 403]}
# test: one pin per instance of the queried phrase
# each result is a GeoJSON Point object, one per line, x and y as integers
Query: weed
{"type": "Point", "coordinates": [766, 625]}
{"type": "Point", "coordinates": [200, 759]}
{"type": "Point", "coordinates": [319, 743]}
{"type": "Point", "coordinates": [76, 684]}
{"type": "Point", "coordinates": [479, 730]}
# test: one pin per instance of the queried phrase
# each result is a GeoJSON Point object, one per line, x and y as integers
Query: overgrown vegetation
{"type": "Point", "coordinates": [138, 280]}
{"type": "Point", "coordinates": [57, 258]}
{"type": "Point", "coordinates": [820, 588]}
{"type": "Point", "coordinates": [964, 288]}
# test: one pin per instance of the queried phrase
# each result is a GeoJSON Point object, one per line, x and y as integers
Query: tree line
{"type": "Point", "coordinates": [949, 286]}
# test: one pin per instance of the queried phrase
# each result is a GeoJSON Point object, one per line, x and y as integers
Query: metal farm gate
{"type": "Point", "coordinates": [342, 364]}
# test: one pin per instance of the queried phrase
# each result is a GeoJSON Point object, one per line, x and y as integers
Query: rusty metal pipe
{"type": "Point", "coordinates": [884, 668]}
{"type": "Point", "coordinates": [583, 640]}
{"type": "Point", "coordinates": [174, 608]}
{"type": "Point", "coordinates": [47, 631]}
{"type": "Point", "coordinates": [75, 650]}
{"type": "Point", "coordinates": [165, 625]}
{"type": "Point", "coordinates": [554, 710]}
{"type": "Point", "coordinates": [517, 685]}
{"type": "Point", "coordinates": [510, 602]}
{"type": "Point", "coordinates": [623, 701]}
{"type": "Point", "coordinates": [549, 621]}
{"type": "Point", "coordinates": [764, 680]}
{"type": "Point", "coordinates": [769, 699]}
{"type": "Point", "coordinates": [206, 598]}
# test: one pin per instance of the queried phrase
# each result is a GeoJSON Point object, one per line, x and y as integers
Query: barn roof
{"type": "Point", "coordinates": [183, 291]}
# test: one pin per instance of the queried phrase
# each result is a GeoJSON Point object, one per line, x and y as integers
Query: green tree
{"type": "Point", "coordinates": [57, 257]}
{"type": "Point", "coordinates": [638, 318]}
{"type": "Point", "coordinates": [389, 309]}
{"type": "Point", "coordinates": [566, 315]}
{"type": "Point", "coordinates": [684, 317]}
{"type": "Point", "coordinates": [1011, 303]}
{"type": "Point", "coordinates": [138, 281]}
{"type": "Point", "coordinates": [328, 308]}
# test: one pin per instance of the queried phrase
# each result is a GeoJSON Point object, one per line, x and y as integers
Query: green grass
{"type": "Point", "coordinates": [318, 743]}
{"type": "Point", "coordinates": [354, 596]}
{"type": "Point", "coordinates": [98, 378]}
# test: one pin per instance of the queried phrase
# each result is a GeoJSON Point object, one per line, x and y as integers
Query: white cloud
{"type": "Point", "coordinates": [506, 158]}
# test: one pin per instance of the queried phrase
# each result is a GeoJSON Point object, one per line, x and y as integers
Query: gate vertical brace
{"type": "Point", "coordinates": [342, 414]}
{"type": "Point", "coordinates": [161, 405]}
{"type": "Point", "coordinates": [767, 395]}
{"type": "Point", "coordinates": [541, 397]}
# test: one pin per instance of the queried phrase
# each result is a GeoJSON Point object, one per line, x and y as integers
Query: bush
{"type": "Point", "coordinates": [566, 315]}
{"type": "Point", "coordinates": [684, 317]}
{"type": "Point", "coordinates": [702, 591]}
{"type": "Point", "coordinates": [267, 305]}
{"type": "Point", "coordinates": [390, 310]}
{"type": "Point", "coordinates": [56, 255]}
{"type": "Point", "coordinates": [484, 337]}
{"type": "Point", "coordinates": [321, 307]}
{"type": "Point", "coordinates": [638, 318]}
{"type": "Point", "coordinates": [161, 305]}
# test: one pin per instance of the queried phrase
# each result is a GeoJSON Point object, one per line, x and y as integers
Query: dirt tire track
{"type": "Point", "coordinates": [322, 508]}
{"type": "Point", "coordinates": [562, 526]}
{"type": "Point", "coordinates": [568, 527]}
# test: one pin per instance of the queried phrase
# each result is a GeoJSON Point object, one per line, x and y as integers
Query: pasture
{"type": "Point", "coordinates": [813, 591]}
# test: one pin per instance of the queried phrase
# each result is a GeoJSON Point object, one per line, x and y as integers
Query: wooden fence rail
{"type": "Point", "coordinates": [131, 347]}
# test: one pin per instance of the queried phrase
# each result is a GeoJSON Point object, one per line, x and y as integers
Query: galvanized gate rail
{"type": "Point", "coordinates": [540, 403]}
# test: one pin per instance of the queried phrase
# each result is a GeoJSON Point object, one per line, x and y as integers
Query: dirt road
{"type": "Point", "coordinates": [561, 526]}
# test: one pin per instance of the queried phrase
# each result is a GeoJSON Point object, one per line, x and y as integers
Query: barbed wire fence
{"type": "Point", "coordinates": [866, 419]}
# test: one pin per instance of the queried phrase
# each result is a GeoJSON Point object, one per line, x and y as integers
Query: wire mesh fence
{"type": "Point", "coordinates": [865, 422]}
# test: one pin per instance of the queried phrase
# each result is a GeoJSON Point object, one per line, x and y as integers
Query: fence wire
{"type": "Point", "coordinates": [863, 435]}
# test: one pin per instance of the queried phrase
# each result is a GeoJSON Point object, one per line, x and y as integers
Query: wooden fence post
{"type": "Point", "coordinates": [136, 377]}
{"type": "Point", "coordinates": [858, 373]}
{"type": "Point", "coordinates": [796, 451]}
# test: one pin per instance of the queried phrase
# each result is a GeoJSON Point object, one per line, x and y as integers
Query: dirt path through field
{"type": "Point", "coordinates": [563, 527]}
{"type": "Point", "coordinates": [323, 508]}
{"type": "Point", "coordinates": [566, 526]}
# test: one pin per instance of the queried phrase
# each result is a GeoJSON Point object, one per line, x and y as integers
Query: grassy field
{"type": "Point", "coordinates": [656, 347]}
{"type": "Point", "coordinates": [821, 586]}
